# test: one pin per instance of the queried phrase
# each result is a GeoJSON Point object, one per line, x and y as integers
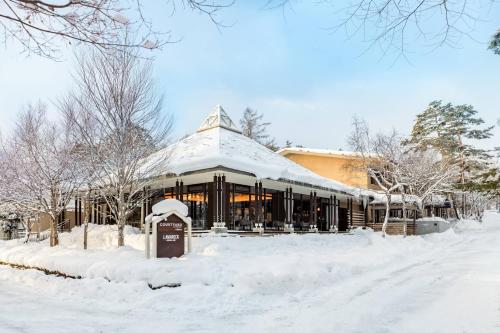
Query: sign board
{"type": "Point", "coordinates": [167, 223]}
{"type": "Point", "coordinates": [170, 237]}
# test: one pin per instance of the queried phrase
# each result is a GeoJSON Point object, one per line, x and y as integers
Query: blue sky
{"type": "Point", "coordinates": [305, 78]}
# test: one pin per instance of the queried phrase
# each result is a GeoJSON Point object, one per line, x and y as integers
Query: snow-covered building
{"type": "Point", "coordinates": [343, 167]}
{"type": "Point", "coordinates": [229, 180]}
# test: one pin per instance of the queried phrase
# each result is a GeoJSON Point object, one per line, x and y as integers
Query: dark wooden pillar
{"type": "Point", "coordinates": [177, 191]}
{"type": "Point", "coordinates": [286, 206]}
{"type": "Point", "coordinates": [223, 199]}
{"type": "Point", "coordinates": [335, 217]}
{"type": "Point", "coordinates": [311, 209]}
{"type": "Point", "coordinates": [214, 202]}
{"type": "Point", "coordinates": [315, 209]}
{"type": "Point", "coordinates": [233, 194]}
{"type": "Point", "coordinates": [257, 203]}
{"type": "Point", "coordinates": [76, 212]}
{"type": "Point", "coordinates": [366, 212]}
{"type": "Point", "coordinates": [261, 204]}
{"type": "Point", "coordinates": [264, 200]}
{"type": "Point", "coordinates": [350, 212]}
{"type": "Point", "coordinates": [329, 221]}
{"type": "Point", "coordinates": [181, 191]}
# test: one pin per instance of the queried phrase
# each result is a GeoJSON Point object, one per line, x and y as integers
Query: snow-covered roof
{"type": "Point", "coordinates": [380, 198]}
{"type": "Point", "coordinates": [219, 143]}
{"type": "Point", "coordinates": [285, 151]}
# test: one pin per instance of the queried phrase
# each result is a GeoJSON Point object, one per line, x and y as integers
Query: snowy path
{"type": "Point", "coordinates": [445, 283]}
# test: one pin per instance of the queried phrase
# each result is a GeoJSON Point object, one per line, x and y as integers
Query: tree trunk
{"type": "Point", "coordinates": [54, 239]}
{"type": "Point", "coordinates": [387, 213]}
{"type": "Point", "coordinates": [28, 230]}
{"type": "Point", "coordinates": [86, 221]}
{"type": "Point", "coordinates": [405, 226]}
{"type": "Point", "coordinates": [457, 213]}
{"type": "Point", "coordinates": [121, 219]}
{"type": "Point", "coordinates": [121, 241]}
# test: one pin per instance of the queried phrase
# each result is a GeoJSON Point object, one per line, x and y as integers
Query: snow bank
{"type": "Point", "coordinates": [292, 283]}
{"type": "Point", "coordinates": [267, 264]}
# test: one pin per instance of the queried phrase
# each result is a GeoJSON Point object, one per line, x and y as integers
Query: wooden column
{"type": "Point", "coordinates": [265, 207]}
{"type": "Point", "coordinates": [177, 192]}
{"type": "Point", "coordinates": [329, 221]}
{"type": "Point", "coordinates": [257, 201]}
{"type": "Point", "coordinates": [287, 206]}
{"type": "Point", "coordinates": [350, 212]}
{"type": "Point", "coordinates": [233, 194]}
{"type": "Point", "coordinates": [215, 203]}
{"type": "Point", "coordinates": [311, 211]}
{"type": "Point", "coordinates": [223, 197]}
{"type": "Point", "coordinates": [261, 204]}
{"type": "Point", "coordinates": [335, 216]}
{"type": "Point", "coordinates": [315, 209]}
{"type": "Point", "coordinates": [366, 213]}
{"type": "Point", "coordinates": [219, 199]}
{"type": "Point", "coordinates": [181, 191]}
{"type": "Point", "coordinates": [76, 211]}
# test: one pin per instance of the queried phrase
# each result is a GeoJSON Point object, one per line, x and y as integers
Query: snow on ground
{"type": "Point", "coordinates": [447, 282]}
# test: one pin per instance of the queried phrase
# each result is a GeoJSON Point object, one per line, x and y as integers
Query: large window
{"type": "Point", "coordinates": [196, 198]}
{"type": "Point", "coordinates": [243, 207]}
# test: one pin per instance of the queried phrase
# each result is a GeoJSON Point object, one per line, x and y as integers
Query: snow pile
{"type": "Point", "coordinates": [264, 264]}
{"type": "Point", "coordinates": [466, 224]}
{"type": "Point", "coordinates": [170, 205]}
{"type": "Point", "coordinates": [446, 282]}
{"type": "Point", "coordinates": [100, 237]}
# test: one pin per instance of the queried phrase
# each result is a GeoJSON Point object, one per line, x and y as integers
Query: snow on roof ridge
{"type": "Point", "coordinates": [318, 151]}
{"type": "Point", "coordinates": [218, 118]}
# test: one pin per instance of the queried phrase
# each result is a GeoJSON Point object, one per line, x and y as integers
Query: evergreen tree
{"type": "Point", "coordinates": [495, 43]}
{"type": "Point", "coordinates": [448, 129]}
{"type": "Point", "coordinates": [253, 127]}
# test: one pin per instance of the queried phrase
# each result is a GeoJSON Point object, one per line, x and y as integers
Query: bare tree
{"type": "Point", "coordinates": [40, 173]}
{"type": "Point", "coordinates": [120, 122]}
{"type": "Point", "coordinates": [395, 25]}
{"type": "Point", "coordinates": [41, 25]}
{"type": "Point", "coordinates": [426, 173]}
{"type": "Point", "coordinates": [380, 157]}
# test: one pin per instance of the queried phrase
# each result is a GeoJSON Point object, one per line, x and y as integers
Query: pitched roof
{"type": "Point", "coordinates": [219, 143]}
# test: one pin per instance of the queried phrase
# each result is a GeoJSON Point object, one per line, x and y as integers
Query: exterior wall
{"type": "Point", "coordinates": [340, 168]}
{"type": "Point", "coordinates": [43, 222]}
{"type": "Point", "coordinates": [358, 215]}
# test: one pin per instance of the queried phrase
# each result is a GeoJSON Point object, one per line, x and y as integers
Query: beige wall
{"type": "Point", "coordinates": [336, 167]}
{"type": "Point", "coordinates": [43, 222]}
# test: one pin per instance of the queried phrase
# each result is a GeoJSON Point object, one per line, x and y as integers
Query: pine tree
{"type": "Point", "coordinates": [448, 129]}
{"type": "Point", "coordinates": [495, 43]}
{"type": "Point", "coordinates": [254, 128]}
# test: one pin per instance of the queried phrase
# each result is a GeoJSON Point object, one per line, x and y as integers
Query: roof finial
{"type": "Point", "coordinates": [218, 118]}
